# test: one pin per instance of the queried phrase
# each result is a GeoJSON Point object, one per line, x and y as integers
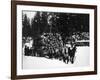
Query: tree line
{"type": "Point", "coordinates": [63, 23]}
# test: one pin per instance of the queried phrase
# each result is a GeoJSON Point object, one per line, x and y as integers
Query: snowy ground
{"type": "Point", "coordinates": [81, 59]}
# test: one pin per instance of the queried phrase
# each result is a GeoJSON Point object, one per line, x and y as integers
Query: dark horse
{"type": "Point", "coordinates": [72, 54]}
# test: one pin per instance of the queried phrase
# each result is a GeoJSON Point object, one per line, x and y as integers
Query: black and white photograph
{"type": "Point", "coordinates": [51, 40]}
{"type": "Point", "coordinates": [55, 39]}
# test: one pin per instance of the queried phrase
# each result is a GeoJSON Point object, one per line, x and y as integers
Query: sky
{"type": "Point", "coordinates": [30, 14]}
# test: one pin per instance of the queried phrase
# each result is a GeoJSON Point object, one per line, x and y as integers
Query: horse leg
{"type": "Point", "coordinates": [72, 60]}
{"type": "Point", "coordinates": [67, 59]}
{"type": "Point", "coordinates": [63, 59]}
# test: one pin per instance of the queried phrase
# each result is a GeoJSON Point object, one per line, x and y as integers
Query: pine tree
{"type": "Point", "coordinates": [26, 30]}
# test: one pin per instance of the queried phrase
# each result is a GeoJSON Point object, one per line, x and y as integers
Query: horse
{"type": "Point", "coordinates": [71, 53]}
{"type": "Point", "coordinates": [65, 54]}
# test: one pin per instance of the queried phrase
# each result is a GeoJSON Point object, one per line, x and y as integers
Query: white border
{"type": "Point", "coordinates": [21, 71]}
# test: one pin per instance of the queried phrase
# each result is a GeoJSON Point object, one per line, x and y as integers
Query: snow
{"type": "Point", "coordinates": [82, 58]}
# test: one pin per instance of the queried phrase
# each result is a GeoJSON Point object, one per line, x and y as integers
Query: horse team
{"type": "Point", "coordinates": [66, 53]}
